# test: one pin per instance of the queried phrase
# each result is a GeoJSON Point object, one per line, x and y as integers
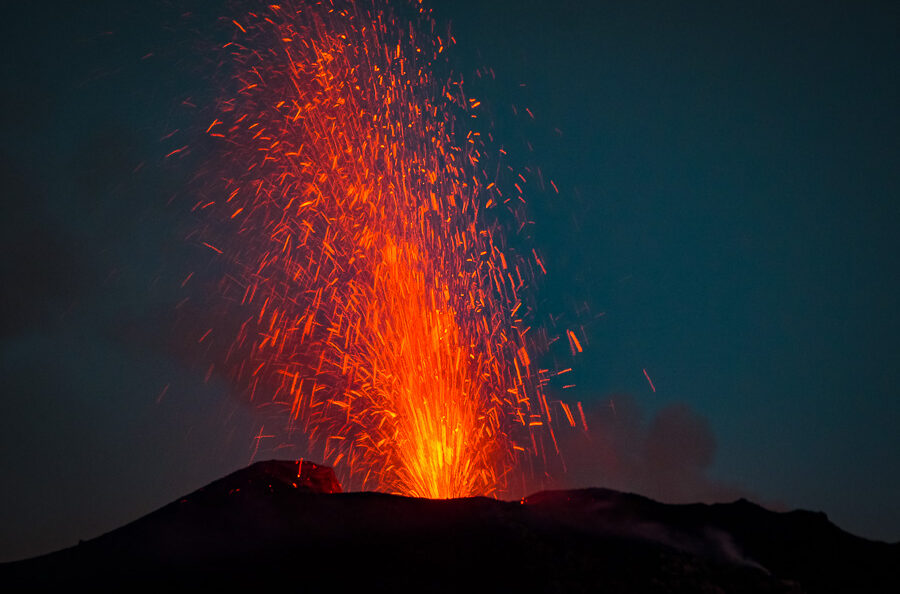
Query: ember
{"type": "Point", "coordinates": [361, 213]}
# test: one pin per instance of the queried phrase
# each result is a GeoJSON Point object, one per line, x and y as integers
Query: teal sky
{"type": "Point", "coordinates": [730, 199]}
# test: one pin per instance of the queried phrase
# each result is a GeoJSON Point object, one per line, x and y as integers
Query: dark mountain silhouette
{"type": "Point", "coordinates": [286, 524]}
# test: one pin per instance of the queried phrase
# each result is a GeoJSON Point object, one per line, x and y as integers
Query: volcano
{"type": "Point", "coordinates": [287, 523]}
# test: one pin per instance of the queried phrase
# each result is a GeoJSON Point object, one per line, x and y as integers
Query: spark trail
{"type": "Point", "coordinates": [382, 304]}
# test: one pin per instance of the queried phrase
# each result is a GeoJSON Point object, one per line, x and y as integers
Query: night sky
{"type": "Point", "coordinates": [728, 220]}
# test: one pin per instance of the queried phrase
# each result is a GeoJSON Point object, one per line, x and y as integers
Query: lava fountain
{"type": "Point", "coordinates": [383, 303]}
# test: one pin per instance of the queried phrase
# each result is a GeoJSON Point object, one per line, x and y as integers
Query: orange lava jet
{"type": "Point", "coordinates": [383, 306]}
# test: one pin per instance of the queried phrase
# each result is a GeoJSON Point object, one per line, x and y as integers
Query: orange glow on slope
{"type": "Point", "coordinates": [382, 304]}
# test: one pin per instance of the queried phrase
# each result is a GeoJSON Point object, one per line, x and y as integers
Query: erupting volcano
{"type": "Point", "coordinates": [376, 257]}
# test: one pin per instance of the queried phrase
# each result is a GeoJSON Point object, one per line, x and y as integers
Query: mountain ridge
{"type": "Point", "coordinates": [278, 520]}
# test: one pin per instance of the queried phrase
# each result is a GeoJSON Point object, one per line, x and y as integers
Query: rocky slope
{"type": "Point", "coordinates": [280, 523]}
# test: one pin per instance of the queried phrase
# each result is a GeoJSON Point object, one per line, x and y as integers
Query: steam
{"type": "Point", "coordinates": [666, 458]}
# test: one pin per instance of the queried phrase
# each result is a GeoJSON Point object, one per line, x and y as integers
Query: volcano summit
{"type": "Point", "coordinates": [287, 522]}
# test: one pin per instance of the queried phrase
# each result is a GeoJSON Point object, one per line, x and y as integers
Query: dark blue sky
{"type": "Point", "coordinates": [729, 199]}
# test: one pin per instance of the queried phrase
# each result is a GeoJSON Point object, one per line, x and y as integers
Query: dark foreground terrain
{"type": "Point", "coordinates": [286, 525]}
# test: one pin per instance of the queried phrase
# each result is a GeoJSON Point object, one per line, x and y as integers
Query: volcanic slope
{"type": "Point", "coordinates": [282, 523]}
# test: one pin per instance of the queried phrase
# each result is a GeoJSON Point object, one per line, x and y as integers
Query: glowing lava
{"type": "Point", "coordinates": [383, 307]}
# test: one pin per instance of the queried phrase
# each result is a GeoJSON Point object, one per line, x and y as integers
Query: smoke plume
{"type": "Point", "coordinates": [667, 457]}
